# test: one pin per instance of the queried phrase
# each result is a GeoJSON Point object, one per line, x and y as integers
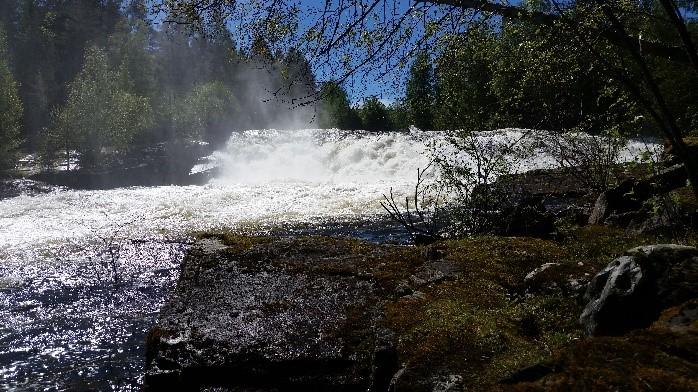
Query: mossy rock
{"type": "Point", "coordinates": [458, 311]}
{"type": "Point", "coordinates": [661, 358]}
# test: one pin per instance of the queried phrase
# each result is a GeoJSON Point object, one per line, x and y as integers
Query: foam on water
{"type": "Point", "coordinates": [267, 177]}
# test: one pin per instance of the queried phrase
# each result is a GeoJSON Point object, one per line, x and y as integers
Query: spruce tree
{"type": "Point", "coordinates": [419, 96]}
{"type": "Point", "coordinates": [10, 109]}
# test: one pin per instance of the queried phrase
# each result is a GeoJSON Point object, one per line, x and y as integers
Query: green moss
{"type": "Point", "coordinates": [484, 323]}
{"type": "Point", "coordinates": [488, 324]}
{"type": "Point", "coordinates": [504, 260]}
{"type": "Point", "coordinates": [645, 360]}
{"type": "Point", "coordinates": [475, 330]}
{"type": "Point", "coordinates": [234, 241]}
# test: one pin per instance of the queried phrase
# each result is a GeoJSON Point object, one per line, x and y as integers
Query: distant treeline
{"type": "Point", "coordinates": [95, 76]}
{"type": "Point", "coordinates": [517, 73]}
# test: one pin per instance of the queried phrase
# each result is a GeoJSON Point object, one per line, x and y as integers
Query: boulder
{"type": "Point", "coordinates": [275, 315]}
{"type": "Point", "coordinates": [616, 200]}
{"type": "Point", "coordinates": [530, 219]}
{"type": "Point", "coordinates": [632, 290]}
{"type": "Point", "coordinates": [625, 203]}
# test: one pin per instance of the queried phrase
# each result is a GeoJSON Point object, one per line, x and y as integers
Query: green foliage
{"type": "Point", "coordinates": [463, 73]}
{"type": "Point", "coordinates": [468, 164]}
{"type": "Point", "coordinates": [419, 96]}
{"type": "Point", "coordinates": [335, 109]}
{"type": "Point", "coordinates": [207, 107]}
{"type": "Point", "coordinates": [297, 77]}
{"type": "Point", "coordinates": [374, 115]}
{"type": "Point", "coordinates": [527, 76]}
{"type": "Point", "coordinates": [128, 52]}
{"type": "Point", "coordinates": [10, 109]}
{"type": "Point", "coordinates": [260, 50]}
{"type": "Point", "coordinates": [47, 46]}
{"type": "Point", "coordinates": [398, 116]}
{"type": "Point", "coordinates": [100, 114]}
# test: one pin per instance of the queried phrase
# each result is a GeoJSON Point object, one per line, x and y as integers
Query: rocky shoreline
{"type": "Point", "coordinates": [487, 313]}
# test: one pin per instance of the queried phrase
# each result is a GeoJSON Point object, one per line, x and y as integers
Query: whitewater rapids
{"type": "Point", "coordinates": [267, 178]}
{"type": "Point", "coordinates": [63, 325]}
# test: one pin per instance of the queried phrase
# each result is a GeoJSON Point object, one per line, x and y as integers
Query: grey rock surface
{"type": "Point", "coordinates": [268, 319]}
{"type": "Point", "coordinates": [632, 290]}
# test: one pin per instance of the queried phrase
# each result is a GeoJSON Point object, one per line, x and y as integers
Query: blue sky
{"type": "Point", "coordinates": [363, 83]}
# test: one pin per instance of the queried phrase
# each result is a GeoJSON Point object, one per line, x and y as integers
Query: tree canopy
{"type": "Point", "coordinates": [100, 113]}
{"type": "Point", "coordinates": [10, 109]}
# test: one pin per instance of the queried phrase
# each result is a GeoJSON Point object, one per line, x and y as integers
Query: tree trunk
{"type": "Point", "coordinates": [678, 22]}
{"type": "Point", "coordinates": [667, 123]}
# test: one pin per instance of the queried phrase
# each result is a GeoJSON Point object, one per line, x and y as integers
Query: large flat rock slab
{"type": "Point", "coordinates": [480, 314]}
{"type": "Point", "coordinates": [271, 314]}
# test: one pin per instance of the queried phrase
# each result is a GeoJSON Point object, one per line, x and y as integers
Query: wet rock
{"type": "Point", "coordinates": [529, 373]}
{"type": "Point", "coordinates": [632, 290]}
{"type": "Point", "coordinates": [530, 219]}
{"type": "Point", "coordinates": [617, 200]}
{"type": "Point", "coordinates": [268, 318]}
{"type": "Point", "coordinates": [413, 380]}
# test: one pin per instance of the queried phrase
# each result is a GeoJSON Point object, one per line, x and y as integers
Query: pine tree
{"type": "Point", "coordinates": [419, 96]}
{"type": "Point", "coordinates": [335, 110]}
{"type": "Point", "coordinates": [374, 115]}
{"type": "Point", "coordinates": [100, 114]}
{"type": "Point", "coordinates": [10, 109]}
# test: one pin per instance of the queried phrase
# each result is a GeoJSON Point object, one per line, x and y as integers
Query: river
{"type": "Point", "coordinates": [83, 273]}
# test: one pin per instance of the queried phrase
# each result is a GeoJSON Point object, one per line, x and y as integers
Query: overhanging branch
{"type": "Point", "coordinates": [673, 53]}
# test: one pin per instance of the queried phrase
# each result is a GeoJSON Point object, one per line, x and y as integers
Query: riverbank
{"type": "Point", "coordinates": [159, 164]}
{"type": "Point", "coordinates": [337, 314]}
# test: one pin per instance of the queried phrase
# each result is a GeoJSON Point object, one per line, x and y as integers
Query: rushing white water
{"type": "Point", "coordinates": [267, 178]}
{"type": "Point", "coordinates": [54, 245]}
